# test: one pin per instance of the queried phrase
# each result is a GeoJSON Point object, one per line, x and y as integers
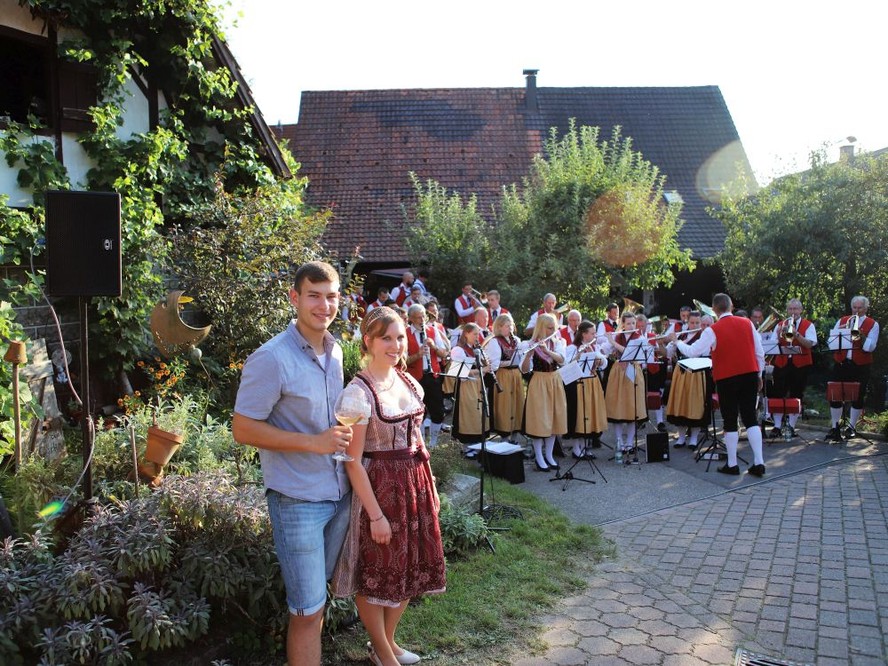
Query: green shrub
{"type": "Point", "coordinates": [461, 532]}
{"type": "Point", "coordinates": [148, 574]}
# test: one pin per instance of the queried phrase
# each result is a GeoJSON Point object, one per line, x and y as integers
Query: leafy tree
{"type": "Point", "coordinates": [235, 261]}
{"type": "Point", "coordinates": [819, 236]}
{"type": "Point", "coordinates": [448, 235]}
{"type": "Point", "coordinates": [588, 222]}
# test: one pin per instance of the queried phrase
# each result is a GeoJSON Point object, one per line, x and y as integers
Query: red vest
{"type": "Point", "coordinates": [734, 352]}
{"type": "Point", "coordinates": [566, 335]}
{"type": "Point", "coordinates": [375, 304]}
{"type": "Point", "coordinates": [415, 368]}
{"type": "Point", "coordinates": [798, 360]}
{"type": "Point", "coordinates": [858, 356]}
{"type": "Point", "coordinates": [653, 368]}
{"type": "Point", "coordinates": [501, 311]}
{"type": "Point", "coordinates": [608, 327]}
{"type": "Point", "coordinates": [465, 303]}
{"type": "Point", "coordinates": [403, 293]}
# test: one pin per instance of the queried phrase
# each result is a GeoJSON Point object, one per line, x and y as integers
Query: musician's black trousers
{"type": "Point", "coordinates": [434, 396]}
{"type": "Point", "coordinates": [736, 396]}
{"type": "Point", "coordinates": [789, 382]}
{"type": "Point", "coordinates": [848, 371]}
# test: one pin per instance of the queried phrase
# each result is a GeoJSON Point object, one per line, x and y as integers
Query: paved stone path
{"type": "Point", "coordinates": [795, 568]}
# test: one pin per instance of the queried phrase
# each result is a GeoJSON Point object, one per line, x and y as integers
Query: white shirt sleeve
{"type": "Point", "coordinates": [704, 344]}
{"type": "Point", "coordinates": [494, 353]}
{"type": "Point", "coordinates": [869, 345]}
{"type": "Point", "coordinates": [460, 310]}
{"type": "Point", "coordinates": [532, 322]}
{"type": "Point", "coordinates": [811, 334]}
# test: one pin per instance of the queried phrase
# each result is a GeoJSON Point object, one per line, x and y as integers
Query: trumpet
{"type": "Point", "coordinates": [854, 326]}
{"type": "Point", "coordinates": [788, 331]}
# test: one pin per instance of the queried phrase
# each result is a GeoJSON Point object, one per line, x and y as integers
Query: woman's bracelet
{"type": "Point", "coordinates": [376, 520]}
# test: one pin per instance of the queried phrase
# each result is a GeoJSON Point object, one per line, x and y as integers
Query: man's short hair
{"type": "Point", "coordinates": [685, 308]}
{"type": "Point", "coordinates": [413, 309]}
{"type": "Point", "coordinates": [314, 272]}
{"type": "Point", "coordinates": [612, 306]}
{"type": "Point", "coordinates": [721, 303]}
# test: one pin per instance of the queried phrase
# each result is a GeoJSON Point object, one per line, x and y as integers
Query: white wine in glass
{"type": "Point", "coordinates": [352, 408]}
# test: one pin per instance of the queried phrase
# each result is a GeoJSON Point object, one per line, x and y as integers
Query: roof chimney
{"type": "Point", "coordinates": [531, 103]}
{"type": "Point", "coordinates": [846, 154]}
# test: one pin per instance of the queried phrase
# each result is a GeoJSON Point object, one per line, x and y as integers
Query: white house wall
{"type": "Point", "coordinates": [19, 18]}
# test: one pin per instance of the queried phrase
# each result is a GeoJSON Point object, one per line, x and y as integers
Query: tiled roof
{"type": "Point", "coordinates": [358, 147]}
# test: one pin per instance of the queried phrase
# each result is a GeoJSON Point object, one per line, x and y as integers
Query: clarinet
{"type": "Point", "coordinates": [481, 355]}
{"type": "Point", "coordinates": [426, 354]}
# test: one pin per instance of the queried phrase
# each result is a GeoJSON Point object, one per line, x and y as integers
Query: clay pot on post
{"type": "Point", "coordinates": [160, 446]}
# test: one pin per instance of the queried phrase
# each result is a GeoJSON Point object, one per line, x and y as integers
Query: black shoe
{"type": "Point", "coordinates": [776, 433]}
{"type": "Point", "coordinates": [792, 432]}
{"type": "Point", "coordinates": [576, 457]}
{"type": "Point", "coordinates": [733, 471]}
{"type": "Point", "coordinates": [588, 456]}
{"type": "Point", "coordinates": [692, 447]}
{"type": "Point", "coordinates": [679, 445]}
{"type": "Point", "coordinates": [553, 465]}
{"type": "Point", "coordinates": [849, 432]}
{"type": "Point", "coordinates": [833, 435]}
{"type": "Point", "coordinates": [767, 421]}
{"type": "Point", "coordinates": [661, 427]}
{"type": "Point", "coordinates": [756, 470]}
{"type": "Point", "coordinates": [540, 468]}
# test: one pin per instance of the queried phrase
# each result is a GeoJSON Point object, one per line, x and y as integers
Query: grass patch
{"type": "Point", "coordinates": [492, 599]}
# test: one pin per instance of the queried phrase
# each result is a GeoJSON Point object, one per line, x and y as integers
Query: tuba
{"type": "Point", "coordinates": [704, 309]}
{"type": "Point", "coordinates": [631, 306]}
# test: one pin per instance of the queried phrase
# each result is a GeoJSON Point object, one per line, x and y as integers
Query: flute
{"type": "Point", "coordinates": [541, 342]}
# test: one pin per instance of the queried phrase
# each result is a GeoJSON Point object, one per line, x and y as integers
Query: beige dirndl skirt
{"type": "Point", "coordinates": [590, 398]}
{"type": "Point", "coordinates": [687, 395]}
{"type": "Point", "coordinates": [545, 409]}
{"type": "Point", "coordinates": [624, 398]}
{"type": "Point", "coordinates": [508, 404]}
{"type": "Point", "coordinates": [467, 414]}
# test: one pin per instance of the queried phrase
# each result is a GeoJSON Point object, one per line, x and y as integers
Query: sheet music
{"type": "Point", "coordinates": [695, 364]}
{"type": "Point", "coordinates": [570, 373]}
{"type": "Point", "coordinates": [839, 339]}
{"type": "Point", "coordinates": [460, 369]}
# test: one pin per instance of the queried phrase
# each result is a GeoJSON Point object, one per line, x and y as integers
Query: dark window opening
{"type": "Point", "coordinates": [24, 80]}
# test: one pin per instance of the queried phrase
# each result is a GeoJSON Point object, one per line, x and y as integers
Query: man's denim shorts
{"type": "Point", "coordinates": [307, 538]}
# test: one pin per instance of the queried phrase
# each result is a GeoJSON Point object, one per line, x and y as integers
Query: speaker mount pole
{"type": "Point", "coordinates": [86, 424]}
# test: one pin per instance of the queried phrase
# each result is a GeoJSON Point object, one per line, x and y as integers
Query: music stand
{"type": "Point", "coordinates": [493, 510]}
{"type": "Point", "coordinates": [773, 348]}
{"type": "Point", "coordinates": [840, 340]}
{"type": "Point", "coordinates": [568, 476]}
{"type": "Point", "coordinates": [637, 350]}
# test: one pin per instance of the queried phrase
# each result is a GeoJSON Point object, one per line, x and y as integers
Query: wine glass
{"type": "Point", "coordinates": [352, 408]}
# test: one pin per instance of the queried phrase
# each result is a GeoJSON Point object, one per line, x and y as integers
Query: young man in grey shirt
{"type": "Point", "coordinates": [284, 408]}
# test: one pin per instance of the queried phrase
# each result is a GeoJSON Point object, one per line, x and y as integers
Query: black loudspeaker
{"type": "Point", "coordinates": [658, 447]}
{"type": "Point", "coordinates": [83, 243]}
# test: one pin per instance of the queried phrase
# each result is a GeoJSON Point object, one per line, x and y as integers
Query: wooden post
{"type": "Point", "coordinates": [16, 355]}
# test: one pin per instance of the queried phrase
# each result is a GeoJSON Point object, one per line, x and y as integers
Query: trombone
{"type": "Point", "coordinates": [478, 296]}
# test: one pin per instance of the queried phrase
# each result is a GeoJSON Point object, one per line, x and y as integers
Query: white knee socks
{"type": "Point", "coordinates": [754, 435]}
{"type": "Point", "coordinates": [549, 449]}
{"type": "Point", "coordinates": [731, 439]}
{"type": "Point", "coordinates": [538, 452]}
{"type": "Point", "coordinates": [855, 415]}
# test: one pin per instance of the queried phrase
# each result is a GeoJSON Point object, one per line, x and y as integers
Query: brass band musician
{"type": "Point", "coordinates": [791, 371]}
{"type": "Point", "coordinates": [853, 365]}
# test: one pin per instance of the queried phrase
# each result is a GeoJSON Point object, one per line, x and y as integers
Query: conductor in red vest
{"type": "Point", "coordinates": [737, 364]}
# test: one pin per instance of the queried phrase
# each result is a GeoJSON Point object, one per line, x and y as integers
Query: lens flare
{"type": "Point", "coordinates": [50, 509]}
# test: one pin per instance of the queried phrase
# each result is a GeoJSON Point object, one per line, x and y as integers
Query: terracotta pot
{"type": "Point", "coordinates": [161, 445]}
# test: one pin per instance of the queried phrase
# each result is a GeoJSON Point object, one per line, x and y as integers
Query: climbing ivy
{"type": "Point", "coordinates": [166, 175]}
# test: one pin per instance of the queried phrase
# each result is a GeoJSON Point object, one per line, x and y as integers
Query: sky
{"type": "Point", "coordinates": [796, 76]}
